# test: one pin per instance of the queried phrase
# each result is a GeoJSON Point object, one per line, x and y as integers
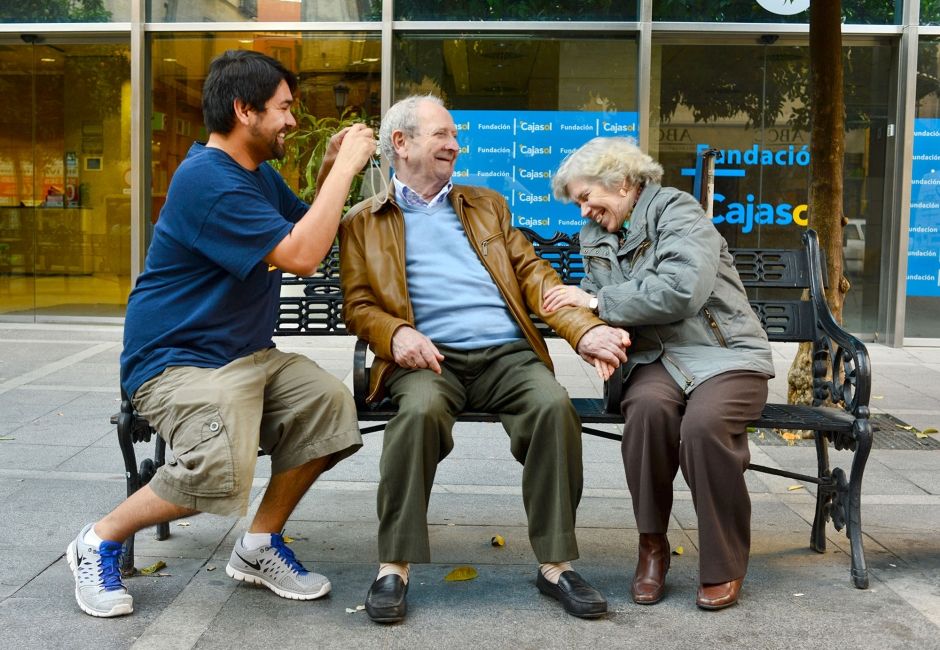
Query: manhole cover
{"type": "Point", "coordinates": [889, 433]}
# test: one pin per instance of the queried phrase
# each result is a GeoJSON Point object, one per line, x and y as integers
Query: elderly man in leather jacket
{"type": "Point", "coordinates": [441, 286]}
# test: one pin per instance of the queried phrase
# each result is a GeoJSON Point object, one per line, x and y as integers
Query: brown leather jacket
{"type": "Point", "coordinates": [375, 291]}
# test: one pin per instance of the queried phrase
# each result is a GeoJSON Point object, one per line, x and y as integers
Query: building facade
{"type": "Point", "coordinates": [101, 101]}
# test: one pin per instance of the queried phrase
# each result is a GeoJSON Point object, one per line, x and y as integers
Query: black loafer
{"type": "Point", "coordinates": [575, 594]}
{"type": "Point", "coordinates": [385, 602]}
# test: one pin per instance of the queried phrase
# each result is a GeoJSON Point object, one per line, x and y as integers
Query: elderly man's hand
{"type": "Point", "coordinates": [412, 349]}
{"type": "Point", "coordinates": [605, 348]}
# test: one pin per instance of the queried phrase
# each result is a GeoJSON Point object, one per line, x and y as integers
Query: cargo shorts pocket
{"type": "Point", "coordinates": [203, 461]}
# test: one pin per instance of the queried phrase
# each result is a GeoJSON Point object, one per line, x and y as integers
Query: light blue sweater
{"type": "Point", "coordinates": [456, 303]}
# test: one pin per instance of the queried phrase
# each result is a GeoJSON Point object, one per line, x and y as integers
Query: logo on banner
{"type": "Point", "coordinates": [750, 212]}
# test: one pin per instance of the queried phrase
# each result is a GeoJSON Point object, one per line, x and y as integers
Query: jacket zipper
{"type": "Point", "coordinates": [688, 380]}
{"type": "Point", "coordinates": [485, 243]}
{"type": "Point", "coordinates": [715, 328]}
{"type": "Point", "coordinates": [639, 251]}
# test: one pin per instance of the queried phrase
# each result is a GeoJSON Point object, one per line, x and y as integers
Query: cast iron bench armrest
{"type": "Point", "coordinates": [850, 383]}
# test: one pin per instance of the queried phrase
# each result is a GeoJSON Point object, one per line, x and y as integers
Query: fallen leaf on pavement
{"type": "Point", "coordinates": [182, 524]}
{"type": "Point", "coordinates": [794, 487]}
{"type": "Point", "coordinates": [461, 573]}
{"type": "Point", "coordinates": [359, 608]}
{"type": "Point", "coordinates": [288, 539]}
{"type": "Point", "coordinates": [153, 568]}
{"type": "Point", "coordinates": [926, 433]}
{"type": "Point", "coordinates": [678, 550]}
{"type": "Point", "coordinates": [7, 438]}
{"type": "Point", "coordinates": [498, 540]}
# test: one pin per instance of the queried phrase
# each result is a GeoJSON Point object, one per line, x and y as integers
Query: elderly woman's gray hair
{"type": "Point", "coordinates": [607, 161]}
{"type": "Point", "coordinates": [402, 116]}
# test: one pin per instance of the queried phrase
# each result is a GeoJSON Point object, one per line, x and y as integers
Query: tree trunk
{"type": "Point", "coordinates": [827, 148]}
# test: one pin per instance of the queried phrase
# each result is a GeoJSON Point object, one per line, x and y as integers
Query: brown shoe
{"type": "Point", "coordinates": [649, 579]}
{"type": "Point", "coordinates": [718, 596]}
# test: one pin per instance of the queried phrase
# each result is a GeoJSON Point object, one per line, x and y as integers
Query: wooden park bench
{"type": "Point", "coordinates": [840, 367]}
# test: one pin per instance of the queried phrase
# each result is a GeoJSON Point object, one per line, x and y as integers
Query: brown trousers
{"type": "Point", "coordinates": [704, 433]}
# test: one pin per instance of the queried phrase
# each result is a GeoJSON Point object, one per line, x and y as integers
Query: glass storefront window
{"type": "Point", "coordinates": [64, 179]}
{"type": "Point", "coordinates": [864, 12]}
{"type": "Point", "coordinates": [617, 10]}
{"type": "Point", "coordinates": [66, 11]}
{"type": "Point", "coordinates": [750, 103]}
{"type": "Point", "coordinates": [929, 12]}
{"type": "Point", "coordinates": [339, 82]}
{"type": "Point", "coordinates": [923, 263]}
{"type": "Point", "coordinates": [216, 11]}
{"type": "Point", "coordinates": [521, 102]}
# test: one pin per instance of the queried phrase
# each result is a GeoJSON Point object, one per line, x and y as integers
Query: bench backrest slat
{"type": "Point", "coordinates": [775, 280]}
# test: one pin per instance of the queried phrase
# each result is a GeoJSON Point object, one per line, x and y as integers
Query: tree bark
{"type": "Point", "coordinates": [827, 150]}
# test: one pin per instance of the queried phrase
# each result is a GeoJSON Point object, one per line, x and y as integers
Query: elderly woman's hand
{"type": "Point", "coordinates": [565, 296]}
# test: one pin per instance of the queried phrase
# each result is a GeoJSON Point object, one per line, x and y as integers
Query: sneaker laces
{"type": "Point", "coordinates": [283, 552]}
{"type": "Point", "coordinates": [110, 554]}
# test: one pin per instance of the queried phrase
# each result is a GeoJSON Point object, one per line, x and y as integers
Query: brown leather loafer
{"type": "Point", "coordinates": [718, 596]}
{"type": "Point", "coordinates": [649, 579]}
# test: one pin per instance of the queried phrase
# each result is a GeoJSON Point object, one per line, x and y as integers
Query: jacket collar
{"type": "Point", "coordinates": [385, 200]}
{"type": "Point", "coordinates": [593, 235]}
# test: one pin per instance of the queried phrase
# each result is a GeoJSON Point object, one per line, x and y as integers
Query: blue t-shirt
{"type": "Point", "coordinates": [206, 296]}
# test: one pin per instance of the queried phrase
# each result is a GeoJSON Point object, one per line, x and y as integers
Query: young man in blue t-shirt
{"type": "Point", "coordinates": [199, 361]}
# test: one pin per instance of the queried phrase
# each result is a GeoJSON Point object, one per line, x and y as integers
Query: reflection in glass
{"type": "Point", "coordinates": [64, 179]}
{"type": "Point", "coordinates": [616, 10]}
{"type": "Point", "coordinates": [509, 71]}
{"type": "Point", "coordinates": [216, 11]}
{"type": "Point", "coordinates": [923, 285]}
{"type": "Point", "coordinates": [864, 12]}
{"type": "Point", "coordinates": [66, 11]}
{"type": "Point", "coordinates": [753, 108]}
{"type": "Point", "coordinates": [339, 83]}
{"type": "Point", "coordinates": [929, 12]}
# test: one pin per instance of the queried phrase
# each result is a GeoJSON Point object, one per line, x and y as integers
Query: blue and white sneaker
{"type": "Point", "coordinates": [276, 568]}
{"type": "Point", "coordinates": [99, 590]}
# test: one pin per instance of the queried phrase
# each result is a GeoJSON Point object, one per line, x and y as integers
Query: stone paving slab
{"type": "Point", "coordinates": [54, 479]}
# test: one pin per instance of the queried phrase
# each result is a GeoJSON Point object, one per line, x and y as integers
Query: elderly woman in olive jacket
{"type": "Point", "coordinates": [699, 363]}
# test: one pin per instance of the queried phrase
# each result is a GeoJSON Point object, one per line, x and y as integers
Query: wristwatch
{"type": "Point", "coordinates": [592, 305]}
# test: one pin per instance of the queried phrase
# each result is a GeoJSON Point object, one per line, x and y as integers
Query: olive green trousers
{"type": "Point", "coordinates": [544, 436]}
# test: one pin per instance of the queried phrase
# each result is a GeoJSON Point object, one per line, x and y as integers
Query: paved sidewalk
{"type": "Point", "coordinates": [60, 467]}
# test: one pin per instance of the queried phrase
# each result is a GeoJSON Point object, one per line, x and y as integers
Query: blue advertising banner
{"type": "Point", "coordinates": [923, 249]}
{"type": "Point", "coordinates": [516, 153]}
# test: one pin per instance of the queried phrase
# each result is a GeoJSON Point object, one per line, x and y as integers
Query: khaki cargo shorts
{"type": "Point", "coordinates": [215, 419]}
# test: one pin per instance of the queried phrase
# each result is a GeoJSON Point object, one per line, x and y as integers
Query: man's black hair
{"type": "Point", "coordinates": [240, 74]}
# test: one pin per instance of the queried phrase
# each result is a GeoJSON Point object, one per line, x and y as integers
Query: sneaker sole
{"type": "Point", "coordinates": [283, 593]}
{"type": "Point", "coordinates": [117, 610]}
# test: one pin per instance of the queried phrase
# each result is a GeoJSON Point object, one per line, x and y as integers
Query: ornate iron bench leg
{"type": "Point", "coordinates": [159, 457]}
{"type": "Point", "coordinates": [863, 441]}
{"type": "Point", "coordinates": [125, 434]}
{"type": "Point", "coordinates": [824, 494]}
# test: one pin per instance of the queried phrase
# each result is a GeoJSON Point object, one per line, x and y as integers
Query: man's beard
{"type": "Point", "coordinates": [278, 150]}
